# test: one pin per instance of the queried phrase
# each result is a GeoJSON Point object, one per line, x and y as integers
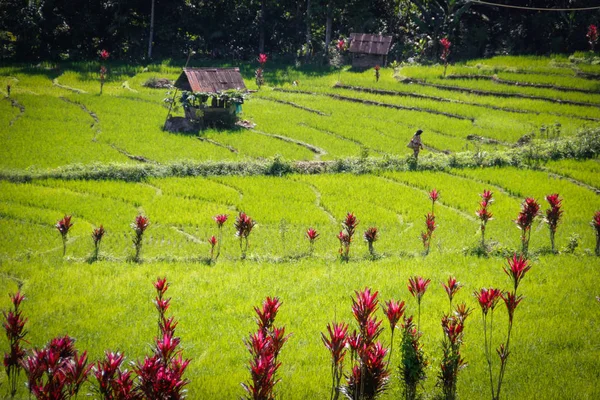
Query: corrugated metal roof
{"type": "Point", "coordinates": [210, 80]}
{"type": "Point", "coordinates": [370, 44]}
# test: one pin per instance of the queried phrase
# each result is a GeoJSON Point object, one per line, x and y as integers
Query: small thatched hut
{"type": "Point", "coordinates": [214, 84]}
{"type": "Point", "coordinates": [369, 50]}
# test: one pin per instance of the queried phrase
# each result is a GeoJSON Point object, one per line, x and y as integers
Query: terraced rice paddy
{"type": "Point", "coordinates": [55, 120]}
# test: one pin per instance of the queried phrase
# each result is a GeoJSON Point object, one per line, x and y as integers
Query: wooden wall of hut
{"type": "Point", "coordinates": [360, 60]}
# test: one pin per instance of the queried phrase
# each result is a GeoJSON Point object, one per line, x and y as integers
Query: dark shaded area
{"type": "Point", "coordinates": [236, 29]}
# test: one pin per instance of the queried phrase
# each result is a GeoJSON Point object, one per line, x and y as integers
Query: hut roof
{"type": "Point", "coordinates": [210, 80]}
{"type": "Point", "coordinates": [370, 44]}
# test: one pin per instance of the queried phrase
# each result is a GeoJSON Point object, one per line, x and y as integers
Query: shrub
{"type": "Point", "coordinates": [553, 215]}
{"type": "Point", "coordinates": [14, 326]}
{"type": "Point", "coordinates": [243, 226]}
{"type": "Point", "coordinates": [529, 210]}
{"type": "Point", "coordinates": [139, 226]}
{"type": "Point", "coordinates": [63, 226]}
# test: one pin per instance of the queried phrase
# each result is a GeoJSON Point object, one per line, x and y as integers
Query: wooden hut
{"type": "Point", "coordinates": [211, 82]}
{"type": "Point", "coordinates": [369, 50]}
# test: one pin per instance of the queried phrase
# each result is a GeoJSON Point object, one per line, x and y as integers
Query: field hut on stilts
{"type": "Point", "coordinates": [369, 50]}
{"type": "Point", "coordinates": [210, 96]}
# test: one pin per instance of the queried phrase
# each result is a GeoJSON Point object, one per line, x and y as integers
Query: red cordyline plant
{"type": "Point", "coordinates": [213, 242]}
{"type": "Point", "coordinates": [488, 298]}
{"type": "Point", "coordinates": [445, 43]}
{"type": "Point", "coordinates": [14, 327]}
{"type": "Point", "coordinates": [258, 74]}
{"type": "Point", "coordinates": [243, 226]}
{"type": "Point", "coordinates": [592, 36]}
{"type": "Point", "coordinates": [393, 310]}
{"type": "Point", "coordinates": [63, 226]}
{"type": "Point", "coordinates": [596, 225]}
{"type": "Point", "coordinates": [312, 235]}
{"type": "Point", "coordinates": [452, 362]}
{"type": "Point", "coordinates": [57, 371]}
{"type": "Point", "coordinates": [345, 236]}
{"type": "Point", "coordinates": [529, 210]}
{"type": "Point", "coordinates": [369, 375]}
{"type": "Point", "coordinates": [434, 195]}
{"type": "Point", "coordinates": [103, 71]}
{"type": "Point", "coordinates": [139, 226]}
{"type": "Point", "coordinates": [220, 219]}
{"type": "Point", "coordinates": [377, 68]}
{"type": "Point", "coordinates": [97, 235]}
{"type": "Point", "coordinates": [113, 382]}
{"type": "Point", "coordinates": [371, 235]}
{"type": "Point", "coordinates": [160, 376]}
{"type": "Point", "coordinates": [451, 288]}
{"type": "Point", "coordinates": [264, 347]}
{"type": "Point", "coordinates": [426, 236]}
{"type": "Point", "coordinates": [413, 364]}
{"type": "Point", "coordinates": [341, 46]}
{"type": "Point", "coordinates": [417, 286]}
{"type": "Point", "coordinates": [336, 342]}
{"type": "Point", "coordinates": [553, 215]}
{"type": "Point", "coordinates": [484, 214]}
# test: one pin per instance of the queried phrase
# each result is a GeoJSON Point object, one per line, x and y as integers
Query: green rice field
{"type": "Point", "coordinates": [57, 132]}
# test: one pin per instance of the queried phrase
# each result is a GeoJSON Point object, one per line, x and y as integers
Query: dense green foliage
{"type": "Point", "coordinates": [57, 29]}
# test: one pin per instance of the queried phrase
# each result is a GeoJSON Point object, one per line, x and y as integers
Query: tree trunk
{"type": "Point", "coordinates": [328, 26]}
{"type": "Point", "coordinates": [308, 35]}
{"type": "Point", "coordinates": [261, 33]}
{"type": "Point", "coordinates": [151, 38]}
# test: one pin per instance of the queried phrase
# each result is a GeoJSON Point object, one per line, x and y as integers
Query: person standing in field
{"type": "Point", "coordinates": [415, 143]}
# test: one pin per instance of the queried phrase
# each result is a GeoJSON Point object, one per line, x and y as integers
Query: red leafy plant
{"type": "Point", "coordinates": [264, 347]}
{"type": "Point", "coordinates": [336, 343]}
{"type": "Point", "coordinates": [103, 71]}
{"type": "Point", "coordinates": [139, 226]}
{"type": "Point", "coordinates": [529, 210]}
{"type": "Point", "coordinates": [592, 36]}
{"type": "Point", "coordinates": [553, 215]}
{"type": "Point", "coordinates": [14, 327]}
{"type": "Point", "coordinates": [57, 371]}
{"type": "Point", "coordinates": [377, 68]}
{"type": "Point", "coordinates": [445, 43]}
{"type": "Point", "coordinates": [417, 286]}
{"type": "Point", "coordinates": [345, 236]}
{"type": "Point", "coordinates": [243, 226]}
{"type": "Point", "coordinates": [97, 235]}
{"type": "Point", "coordinates": [160, 376]}
{"type": "Point", "coordinates": [220, 220]}
{"type": "Point", "coordinates": [393, 310]}
{"type": "Point", "coordinates": [63, 226]}
{"type": "Point", "coordinates": [369, 374]}
{"type": "Point", "coordinates": [451, 288]}
{"type": "Point", "coordinates": [596, 225]}
{"type": "Point", "coordinates": [484, 214]}
{"type": "Point", "coordinates": [518, 266]}
{"type": "Point", "coordinates": [342, 46]}
{"type": "Point", "coordinates": [414, 363]}
{"type": "Point", "coordinates": [426, 236]}
{"type": "Point", "coordinates": [434, 195]}
{"type": "Point", "coordinates": [258, 74]}
{"type": "Point", "coordinates": [113, 381]}
{"type": "Point", "coordinates": [452, 362]}
{"type": "Point", "coordinates": [212, 241]}
{"type": "Point", "coordinates": [312, 235]}
{"type": "Point", "coordinates": [371, 235]}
